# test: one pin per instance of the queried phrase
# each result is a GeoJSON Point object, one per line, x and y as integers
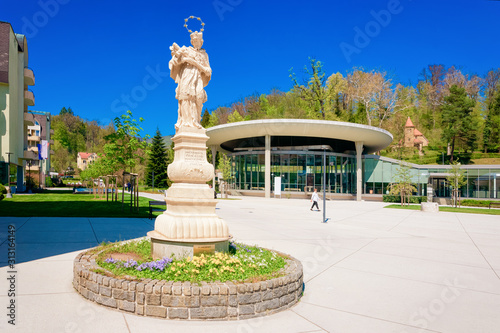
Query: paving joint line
{"type": "Point", "coordinates": [22, 225]}
{"type": "Point", "coordinates": [477, 247]}
{"type": "Point", "coordinates": [126, 323]}
{"type": "Point", "coordinates": [356, 251]}
{"type": "Point", "coordinates": [363, 315]}
{"type": "Point", "coordinates": [301, 316]}
{"type": "Point", "coordinates": [420, 281]}
{"type": "Point", "coordinates": [93, 231]}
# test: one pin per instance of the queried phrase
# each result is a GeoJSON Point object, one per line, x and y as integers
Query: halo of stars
{"type": "Point", "coordinates": [193, 17]}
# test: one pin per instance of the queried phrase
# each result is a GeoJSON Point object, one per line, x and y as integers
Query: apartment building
{"type": "Point", "coordinates": [15, 98]}
{"type": "Point", "coordinates": [39, 136]}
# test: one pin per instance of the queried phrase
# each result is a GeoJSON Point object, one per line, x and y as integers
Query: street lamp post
{"type": "Point", "coordinates": [324, 185]}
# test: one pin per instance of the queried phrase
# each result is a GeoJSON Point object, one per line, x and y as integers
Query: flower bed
{"type": "Point", "coordinates": [187, 299]}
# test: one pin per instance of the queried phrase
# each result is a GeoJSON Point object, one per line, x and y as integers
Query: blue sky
{"type": "Point", "coordinates": [103, 57]}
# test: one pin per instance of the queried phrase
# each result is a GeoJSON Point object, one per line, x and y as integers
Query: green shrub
{"type": "Point", "coordinates": [3, 190]}
{"type": "Point", "coordinates": [397, 198]}
{"type": "Point", "coordinates": [475, 203]}
{"type": "Point", "coordinates": [1, 197]}
{"type": "Point", "coordinates": [48, 182]}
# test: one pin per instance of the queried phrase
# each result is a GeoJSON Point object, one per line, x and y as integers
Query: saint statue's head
{"type": "Point", "coordinates": [197, 40]}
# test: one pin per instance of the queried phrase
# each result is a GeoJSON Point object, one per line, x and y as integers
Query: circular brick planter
{"type": "Point", "coordinates": [185, 300]}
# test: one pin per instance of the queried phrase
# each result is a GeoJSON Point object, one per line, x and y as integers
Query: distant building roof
{"type": "Point", "coordinates": [85, 155]}
{"type": "Point", "coordinates": [417, 132]}
{"type": "Point", "coordinates": [409, 123]}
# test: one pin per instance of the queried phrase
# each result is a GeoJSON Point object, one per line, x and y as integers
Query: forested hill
{"type": "Point", "coordinates": [449, 106]}
{"type": "Point", "coordinates": [73, 134]}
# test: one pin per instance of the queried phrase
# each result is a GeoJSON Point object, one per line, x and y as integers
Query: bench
{"type": "Point", "coordinates": [495, 204]}
{"type": "Point", "coordinates": [156, 209]}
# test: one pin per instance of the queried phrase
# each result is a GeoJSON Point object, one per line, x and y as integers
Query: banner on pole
{"type": "Point", "coordinates": [277, 185]}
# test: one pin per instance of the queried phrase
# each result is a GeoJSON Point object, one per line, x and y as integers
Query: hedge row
{"type": "Point", "coordinates": [397, 198]}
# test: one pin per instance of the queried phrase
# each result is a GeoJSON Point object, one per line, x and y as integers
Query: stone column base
{"type": "Point", "coordinates": [181, 248]}
{"type": "Point", "coordinates": [432, 207]}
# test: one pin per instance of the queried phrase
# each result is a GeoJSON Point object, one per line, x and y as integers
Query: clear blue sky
{"type": "Point", "coordinates": [88, 54]}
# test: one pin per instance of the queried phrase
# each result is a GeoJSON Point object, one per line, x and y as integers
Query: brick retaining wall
{"type": "Point", "coordinates": [185, 300]}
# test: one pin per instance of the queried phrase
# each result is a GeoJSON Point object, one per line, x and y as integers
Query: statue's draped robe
{"type": "Point", "coordinates": [191, 79]}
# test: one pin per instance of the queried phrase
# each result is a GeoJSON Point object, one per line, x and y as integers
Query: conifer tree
{"type": "Point", "coordinates": [458, 123]}
{"type": "Point", "coordinates": [205, 120]}
{"type": "Point", "coordinates": [491, 135]}
{"type": "Point", "coordinates": [157, 163]}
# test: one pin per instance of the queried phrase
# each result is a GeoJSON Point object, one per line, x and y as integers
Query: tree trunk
{"type": "Point", "coordinates": [452, 150]}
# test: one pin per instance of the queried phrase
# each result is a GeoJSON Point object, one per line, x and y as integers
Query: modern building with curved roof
{"type": "Point", "coordinates": [291, 155]}
{"type": "Point", "coordinates": [297, 150]}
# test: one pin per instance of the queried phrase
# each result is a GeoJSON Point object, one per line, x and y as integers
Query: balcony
{"type": "Point", "coordinates": [33, 149]}
{"type": "Point", "coordinates": [33, 138]}
{"type": "Point", "coordinates": [29, 77]}
{"type": "Point", "coordinates": [32, 168]}
{"type": "Point", "coordinates": [30, 155]}
{"type": "Point", "coordinates": [29, 98]}
{"type": "Point", "coordinates": [28, 119]}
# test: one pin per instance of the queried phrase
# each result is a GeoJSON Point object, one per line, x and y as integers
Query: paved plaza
{"type": "Point", "coordinates": [369, 269]}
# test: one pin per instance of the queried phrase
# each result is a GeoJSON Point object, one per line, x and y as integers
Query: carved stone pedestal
{"type": "Point", "coordinates": [189, 225]}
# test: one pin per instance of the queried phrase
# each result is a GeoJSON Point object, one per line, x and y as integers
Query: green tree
{"type": "Point", "coordinates": [313, 90]}
{"type": "Point", "coordinates": [235, 117]}
{"type": "Point", "coordinates": [403, 185]}
{"type": "Point", "coordinates": [205, 120]}
{"type": "Point", "coordinates": [456, 179]}
{"type": "Point", "coordinates": [225, 170]}
{"type": "Point", "coordinates": [458, 124]}
{"type": "Point", "coordinates": [124, 146]}
{"type": "Point", "coordinates": [157, 162]}
{"type": "Point", "coordinates": [491, 135]}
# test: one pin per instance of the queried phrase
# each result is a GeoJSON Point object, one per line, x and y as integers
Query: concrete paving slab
{"type": "Point", "coordinates": [54, 236]}
{"type": "Point", "coordinates": [369, 270]}
{"type": "Point", "coordinates": [467, 255]}
{"type": "Point", "coordinates": [45, 251]}
{"type": "Point", "coordinates": [287, 321]}
{"type": "Point", "coordinates": [62, 312]}
{"type": "Point", "coordinates": [448, 308]}
{"type": "Point", "coordinates": [30, 274]}
{"type": "Point", "coordinates": [478, 279]}
{"type": "Point", "coordinates": [333, 320]}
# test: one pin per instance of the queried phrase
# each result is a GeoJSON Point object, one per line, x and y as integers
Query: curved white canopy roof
{"type": "Point", "coordinates": [373, 138]}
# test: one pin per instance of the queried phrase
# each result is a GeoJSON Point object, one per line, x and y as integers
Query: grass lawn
{"type": "Point", "coordinates": [451, 209]}
{"type": "Point", "coordinates": [55, 204]}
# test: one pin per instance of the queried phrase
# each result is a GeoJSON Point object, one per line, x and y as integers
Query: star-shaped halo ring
{"type": "Point", "coordinates": [193, 17]}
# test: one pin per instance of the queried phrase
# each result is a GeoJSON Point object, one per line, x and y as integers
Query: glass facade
{"type": "Point", "coordinates": [482, 182]}
{"type": "Point", "coordinates": [297, 169]}
{"type": "Point", "coordinates": [303, 170]}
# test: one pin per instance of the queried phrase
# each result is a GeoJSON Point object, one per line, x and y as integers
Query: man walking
{"type": "Point", "coordinates": [315, 199]}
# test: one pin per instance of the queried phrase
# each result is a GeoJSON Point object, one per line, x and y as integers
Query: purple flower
{"type": "Point", "coordinates": [130, 263]}
{"type": "Point", "coordinates": [110, 261]}
{"type": "Point", "coordinates": [155, 265]}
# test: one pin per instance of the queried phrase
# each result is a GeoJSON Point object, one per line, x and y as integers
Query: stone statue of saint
{"type": "Point", "coordinates": [191, 71]}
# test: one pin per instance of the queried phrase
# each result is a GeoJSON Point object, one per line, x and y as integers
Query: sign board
{"type": "Point", "coordinates": [205, 249]}
{"type": "Point", "coordinates": [277, 185]}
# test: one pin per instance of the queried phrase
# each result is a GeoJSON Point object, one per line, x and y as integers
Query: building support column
{"type": "Point", "coordinates": [214, 153]}
{"type": "Point", "coordinates": [267, 167]}
{"type": "Point", "coordinates": [359, 167]}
